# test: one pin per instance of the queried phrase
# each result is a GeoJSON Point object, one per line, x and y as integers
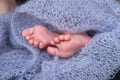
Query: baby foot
{"type": "Point", "coordinates": [67, 45]}
{"type": "Point", "coordinates": [39, 36]}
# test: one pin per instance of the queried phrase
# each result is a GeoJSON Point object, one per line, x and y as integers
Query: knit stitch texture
{"type": "Point", "coordinates": [98, 60]}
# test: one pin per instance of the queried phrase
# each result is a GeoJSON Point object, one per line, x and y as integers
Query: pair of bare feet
{"type": "Point", "coordinates": [64, 45]}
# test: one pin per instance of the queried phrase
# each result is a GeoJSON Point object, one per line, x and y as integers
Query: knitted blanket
{"type": "Point", "coordinates": [98, 60]}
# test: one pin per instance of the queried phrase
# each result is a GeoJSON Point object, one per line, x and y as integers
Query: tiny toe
{"type": "Point", "coordinates": [61, 37]}
{"type": "Point", "coordinates": [56, 40]}
{"type": "Point", "coordinates": [52, 50]}
{"type": "Point", "coordinates": [67, 37]}
{"type": "Point", "coordinates": [52, 43]}
{"type": "Point", "coordinates": [36, 43]}
{"type": "Point", "coordinates": [31, 41]}
{"type": "Point", "coordinates": [25, 32]}
{"type": "Point", "coordinates": [28, 37]}
{"type": "Point", "coordinates": [41, 45]}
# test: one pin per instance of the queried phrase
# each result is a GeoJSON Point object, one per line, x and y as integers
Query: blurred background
{"type": "Point", "coordinates": [9, 5]}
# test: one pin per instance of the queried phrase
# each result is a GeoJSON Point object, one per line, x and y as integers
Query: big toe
{"type": "Point", "coordinates": [26, 32]}
{"type": "Point", "coordinates": [28, 37]}
{"type": "Point", "coordinates": [61, 37]}
{"type": "Point", "coordinates": [52, 50]}
{"type": "Point", "coordinates": [67, 37]}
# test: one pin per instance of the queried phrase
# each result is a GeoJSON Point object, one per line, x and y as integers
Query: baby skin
{"type": "Point", "coordinates": [38, 36]}
{"type": "Point", "coordinates": [63, 45]}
